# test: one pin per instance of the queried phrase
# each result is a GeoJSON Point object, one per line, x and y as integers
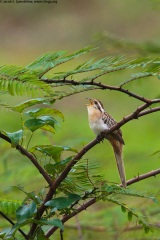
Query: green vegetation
{"type": "Point", "coordinates": [52, 172]}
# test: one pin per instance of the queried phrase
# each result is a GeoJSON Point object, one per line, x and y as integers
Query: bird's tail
{"type": "Point", "coordinates": [117, 147]}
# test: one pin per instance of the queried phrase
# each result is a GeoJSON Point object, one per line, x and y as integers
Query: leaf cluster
{"type": "Point", "coordinates": [33, 80]}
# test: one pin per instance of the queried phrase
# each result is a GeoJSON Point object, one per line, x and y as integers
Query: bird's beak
{"type": "Point", "coordinates": [90, 100]}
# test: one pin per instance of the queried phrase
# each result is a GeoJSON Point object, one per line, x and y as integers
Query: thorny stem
{"type": "Point", "coordinates": [100, 85]}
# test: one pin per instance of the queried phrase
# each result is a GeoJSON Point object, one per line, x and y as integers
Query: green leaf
{"type": "Point", "coordinates": [58, 203]}
{"type": "Point", "coordinates": [19, 81]}
{"type": "Point", "coordinates": [136, 76]}
{"type": "Point", "coordinates": [34, 124]}
{"type": "Point", "coordinates": [53, 222]}
{"type": "Point", "coordinates": [52, 151]}
{"type": "Point", "coordinates": [155, 200]}
{"type": "Point", "coordinates": [123, 208]}
{"type": "Point", "coordinates": [25, 212]}
{"type": "Point", "coordinates": [45, 62]}
{"type": "Point", "coordinates": [63, 202]}
{"type": "Point", "coordinates": [72, 197]}
{"type": "Point", "coordinates": [9, 206]}
{"type": "Point", "coordinates": [48, 120]}
{"type": "Point", "coordinates": [36, 112]}
{"type": "Point", "coordinates": [50, 60]}
{"type": "Point", "coordinates": [40, 234]}
{"type": "Point", "coordinates": [4, 232]}
{"type": "Point", "coordinates": [130, 215]}
{"type": "Point", "coordinates": [129, 192]}
{"type": "Point", "coordinates": [146, 229]}
{"type": "Point", "coordinates": [52, 168]}
{"type": "Point", "coordinates": [15, 137]}
{"type": "Point", "coordinates": [20, 107]}
{"type": "Point", "coordinates": [48, 128]}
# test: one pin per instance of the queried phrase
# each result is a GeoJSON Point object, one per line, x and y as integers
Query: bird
{"type": "Point", "coordinates": [99, 122]}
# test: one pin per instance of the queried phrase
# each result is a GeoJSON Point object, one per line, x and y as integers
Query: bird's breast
{"type": "Point", "coordinates": [96, 122]}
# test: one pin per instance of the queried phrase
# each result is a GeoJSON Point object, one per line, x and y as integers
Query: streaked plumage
{"type": "Point", "coordinates": [99, 121]}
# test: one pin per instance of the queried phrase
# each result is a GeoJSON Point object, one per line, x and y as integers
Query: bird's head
{"type": "Point", "coordinates": [94, 103]}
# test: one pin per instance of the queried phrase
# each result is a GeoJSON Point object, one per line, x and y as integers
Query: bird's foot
{"type": "Point", "coordinates": [100, 138]}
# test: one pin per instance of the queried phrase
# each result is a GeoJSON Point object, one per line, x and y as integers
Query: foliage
{"type": "Point", "coordinates": [9, 206]}
{"type": "Point", "coordinates": [119, 45]}
{"type": "Point", "coordinates": [73, 182]}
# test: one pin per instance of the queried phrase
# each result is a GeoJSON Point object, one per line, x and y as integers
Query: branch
{"type": "Point", "coordinates": [152, 173]}
{"type": "Point", "coordinates": [12, 223]}
{"type": "Point", "coordinates": [126, 229]}
{"type": "Point", "coordinates": [30, 157]}
{"type": "Point", "coordinates": [98, 84]}
{"type": "Point", "coordinates": [89, 228]}
{"type": "Point", "coordinates": [156, 109]}
{"type": "Point", "coordinates": [93, 200]}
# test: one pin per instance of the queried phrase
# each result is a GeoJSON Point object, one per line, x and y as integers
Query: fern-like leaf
{"type": "Point", "coordinates": [137, 76]}
{"type": "Point", "coordinates": [50, 60]}
{"type": "Point", "coordinates": [131, 212]}
{"type": "Point", "coordinates": [9, 206]}
{"type": "Point", "coordinates": [19, 81]}
{"type": "Point", "coordinates": [82, 177]}
{"type": "Point", "coordinates": [92, 66]}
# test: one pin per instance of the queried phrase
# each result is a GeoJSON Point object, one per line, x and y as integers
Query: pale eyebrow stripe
{"type": "Point", "coordinates": [100, 106]}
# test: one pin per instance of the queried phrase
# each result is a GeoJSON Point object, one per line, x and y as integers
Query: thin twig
{"type": "Point", "coordinates": [12, 223]}
{"type": "Point", "coordinates": [31, 158]}
{"type": "Point", "coordinates": [139, 227]}
{"type": "Point", "coordinates": [87, 172]}
{"type": "Point", "coordinates": [79, 229]}
{"type": "Point", "coordinates": [87, 227]}
{"type": "Point", "coordinates": [156, 109]}
{"type": "Point", "coordinates": [61, 234]}
{"type": "Point", "coordinates": [152, 173]}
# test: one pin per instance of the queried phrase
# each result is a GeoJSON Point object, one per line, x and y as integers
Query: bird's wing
{"type": "Point", "coordinates": [117, 134]}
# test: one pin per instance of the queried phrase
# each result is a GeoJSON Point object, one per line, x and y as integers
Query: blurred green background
{"type": "Point", "coordinates": [116, 27]}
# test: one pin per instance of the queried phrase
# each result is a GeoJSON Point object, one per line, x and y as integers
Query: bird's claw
{"type": "Point", "coordinates": [100, 138]}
